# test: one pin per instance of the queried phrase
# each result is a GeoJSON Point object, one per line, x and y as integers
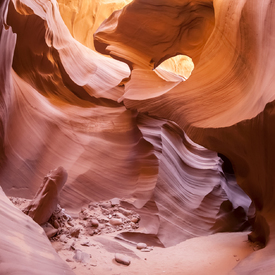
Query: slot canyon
{"type": "Point", "coordinates": [136, 137]}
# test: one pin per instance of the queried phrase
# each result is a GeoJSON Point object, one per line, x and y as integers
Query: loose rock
{"type": "Point", "coordinates": [74, 232]}
{"type": "Point", "coordinates": [141, 245]}
{"type": "Point", "coordinates": [125, 211]}
{"type": "Point", "coordinates": [82, 257]}
{"type": "Point", "coordinates": [122, 259]}
{"type": "Point", "coordinates": [49, 230]}
{"type": "Point", "coordinates": [115, 221]}
{"type": "Point", "coordinates": [94, 222]}
{"type": "Point", "coordinates": [115, 201]}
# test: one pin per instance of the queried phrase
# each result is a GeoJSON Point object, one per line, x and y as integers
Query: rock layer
{"type": "Point", "coordinates": [118, 128]}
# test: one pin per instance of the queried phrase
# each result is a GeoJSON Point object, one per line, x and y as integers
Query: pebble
{"type": "Point", "coordinates": [115, 201]}
{"type": "Point", "coordinates": [85, 243]}
{"type": "Point", "coordinates": [56, 224]}
{"type": "Point", "coordinates": [124, 211]}
{"type": "Point", "coordinates": [122, 259]}
{"type": "Point", "coordinates": [115, 221]}
{"type": "Point", "coordinates": [49, 230]}
{"type": "Point", "coordinates": [120, 215]}
{"type": "Point", "coordinates": [141, 245]}
{"type": "Point", "coordinates": [135, 219]}
{"type": "Point", "coordinates": [69, 260]}
{"type": "Point", "coordinates": [74, 232]}
{"type": "Point", "coordinates": [90, 231]}
{"type": "Point", "coordinates": [94, 222]}
{"type": "Point", "coordinates": [82, 257]}
{"type": "Point", "coordinates": [70, 244]}
{"type": "Point", "coordinates": [63, 238]}
{"type": "Point", "coordinates": [146, 250]}
{"type": "Point", "coordinates": [106, 204]}
{"type": "Point", "coordinates": [70, 223]}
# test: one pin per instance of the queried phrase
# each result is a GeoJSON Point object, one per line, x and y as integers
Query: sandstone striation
{"type": "Point", "coordinates": [152, 131]}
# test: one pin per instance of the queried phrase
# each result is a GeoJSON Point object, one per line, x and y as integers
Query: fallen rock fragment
{"type": "Point", "coordinates": [94, 223]}
{"type": "Point", "coordinates": [63, 238]}
{"type": "Point", "coordinates": [106, 204]}
{"type": "Point", "coordinates": [125, 211]}
{"type": "Point", "coordinates": [45, 201]}
{"type": "Point", "coordinates": [146, 249]}
{"type": "Point", "coordinates": [115, 221]}
{"type": "Point", "coordinates": [82, 257]}
{"type": "Point", "coordinates": [49, 230]}
{"type": "Point", "coordinates": [141, 245]}
{"type": "Point", "coordinates": [122, 259]}
{"type": "Point", "coordinates": [115, 201]}
{"type": "Point", "coordinates": [74, 232]}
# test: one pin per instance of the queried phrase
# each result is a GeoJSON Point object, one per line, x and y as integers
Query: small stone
{"type": "Point", "coordinates": [90, 231]}
{"type": "Point", "coordinates": [134, 225]}
{"type": "Point", "coordinates": [63, 238]}
{"type": "Point", "coordinates": [82, 257]}
{"type": "Point", "coordinates": [49, 230]}
{"type": "Point", "coordinates": [125, 211]}
{"type": "Point", "coordinates": [85, 243]}
{"type": "Point", "coordinates": [106, 204]}
{"type": "Point", "coordinates": [74, 232]}
{"type": "Point", "coordinates": [93, 263]}
{"type": "Point", "coordinates": [122, 259]}
{"type": "Point", "coordinates": [70, 244]}
{"type": "Point", "coordinates": [70, 223]}
{"type": "Point", "coordinates": [115, 201]}
{"type": "Point", "coordinates": [135, 219]}
{"type": "Point", "coordinates": [120, 215]}
{"type": "Point", "coordinates": [56, 224]}
{"type": "Point", "coordinates": [94, 222]}
{"type": "Point", "coordinates": [146, 250]}
{"type": "Point", "coordinates": [141, 245]}
{"type": "Point", "coordinates": [69, 260]}
{"type": "Point", "coordinates": [115, 221]}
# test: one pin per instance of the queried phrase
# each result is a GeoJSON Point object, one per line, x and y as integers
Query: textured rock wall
{"type": "Point", "coordinates": [118, 127]}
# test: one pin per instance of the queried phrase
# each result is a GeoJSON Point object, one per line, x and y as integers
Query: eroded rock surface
{"type": "Point", "coordinates": [45, 201]}
{"type": "Point", "coordinates": [122, 129]}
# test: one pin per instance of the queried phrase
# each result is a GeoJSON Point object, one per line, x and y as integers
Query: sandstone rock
{"type": "Point", "coordinates": [49, 230]}
{"type": "Point", "coordinates": [69, 260]}
{"type": "Point", "coordinates": [141, 245]}
{"type": "Point", "coordinates": [45, 201]}
{"type": "Point", "coordinates": [135, 219]}
{"type": "Point", "coordinates": [106, 204]}
{"type": "Point", "coordinates": [63, 238]}
{"type": "Point", "coordinates": [70, 223]}
{"type": "Point", "coordinates": [122, 259]}
{"type": "Point", "coordinates": [74, 232]}
{"type": "Point", "coordinates": [94, 223]}
{"type": "Point", "coordinates": [124, 211]}
{"type": "Point", "coordinates": [115, 221]}
{"type": "Point", "coordinates": [56, 224]}
{"type": "Point", "coordinates": [115, 201]}
{"type": "Point", "coordinates": [146, 250]}
{"type": "Point", "coordinates": [82, 257]}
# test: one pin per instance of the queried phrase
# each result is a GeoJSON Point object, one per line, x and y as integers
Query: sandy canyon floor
{"type": "Point", "coordinates": [89, 242]}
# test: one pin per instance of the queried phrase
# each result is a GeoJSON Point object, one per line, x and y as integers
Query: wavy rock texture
{"type": "Point", "coordinates": [117, 128]}
{"type": "Point", "coordinates": [223, 105]}
{"type": "Point", "coordinates": [25, 248]}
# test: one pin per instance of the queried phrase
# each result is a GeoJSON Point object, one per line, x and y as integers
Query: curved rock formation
{"type": "Point", "coordinates": [118, 128]}
{"type": "Point", "coordinates": [223, 105]}
{"type": "Point", "coordinates": [25, 248]}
